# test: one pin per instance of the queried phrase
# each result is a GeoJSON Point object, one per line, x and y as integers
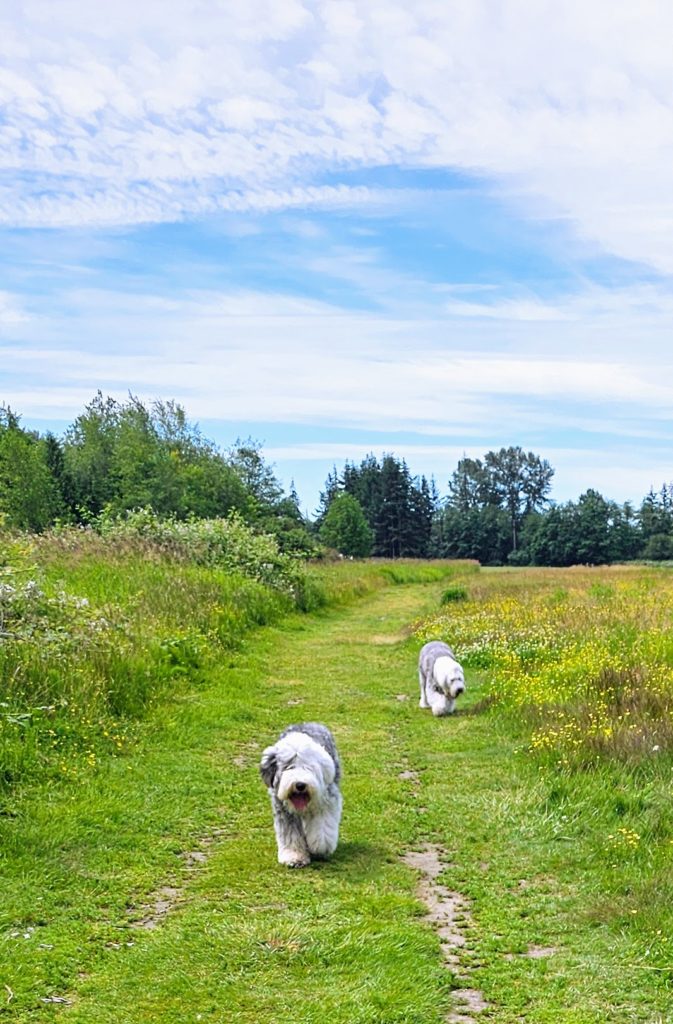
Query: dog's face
{"type": "Point", "coordinates": [297, 770]}
{"type": "Point", "coordinates": [449, 677]}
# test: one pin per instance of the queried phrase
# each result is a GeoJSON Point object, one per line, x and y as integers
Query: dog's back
{"type": "Point", "coordinates": [430, 652]}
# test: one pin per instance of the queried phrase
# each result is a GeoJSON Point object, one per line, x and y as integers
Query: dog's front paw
{"type": "Point", "coordinates": [293, 858]}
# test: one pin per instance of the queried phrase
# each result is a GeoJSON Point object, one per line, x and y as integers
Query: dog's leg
{"type": "Point", "coordinates": [322, 830]}
{"type": "Point", "coordinates": [441, 704]}
{"type": "Point", "coordinates": [292, 848]}
{"type": "Point", "coordinates": [423, 703]}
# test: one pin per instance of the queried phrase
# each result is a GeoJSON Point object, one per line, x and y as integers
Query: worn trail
{"type": "Point", "coordinates": [161, 899]}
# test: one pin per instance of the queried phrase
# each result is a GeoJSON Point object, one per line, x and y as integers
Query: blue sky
{"type": "Point", "coordinates": [341, 227]}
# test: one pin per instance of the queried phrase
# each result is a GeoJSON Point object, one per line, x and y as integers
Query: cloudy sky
{"type": "Point", "coordinates": [339, 226]}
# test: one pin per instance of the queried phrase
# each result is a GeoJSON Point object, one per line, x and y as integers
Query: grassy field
{"type": "Point", "coordinates": [96, 630]}
{"type": "Point", "coordinates": [145, 887]}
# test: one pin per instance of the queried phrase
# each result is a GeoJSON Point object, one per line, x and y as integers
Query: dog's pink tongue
{"type": "Point", "coordinates": [299, 800]}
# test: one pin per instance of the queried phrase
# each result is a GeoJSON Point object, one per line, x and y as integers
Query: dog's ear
{"type": "Point", "coordinates": [268, 766]}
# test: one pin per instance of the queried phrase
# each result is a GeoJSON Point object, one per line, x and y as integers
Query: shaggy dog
{"type": "Point", "coordinates": [302, 771]}
{"type": "Point", "coordinates": [441, 678]}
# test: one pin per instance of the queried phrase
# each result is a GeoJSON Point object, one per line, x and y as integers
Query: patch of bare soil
{"type": "Point", "coordinates": [540, 952]}
{"type": "Point", "coordinates": [386, 639]}
{"type": "Point", "coordinates": [149, 915]}
{"type": "Point", "coordinates": [247, 755]}
{"type": "Point", "coordinates": [153, 913]}
{"type": "Point", "coordinates": [471, 1001]}
{"type": "Point", "coordinates": [449, 913]}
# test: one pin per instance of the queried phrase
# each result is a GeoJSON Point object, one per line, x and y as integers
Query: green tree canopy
{"type": "Point", "coordinates": [398, 507]}
{"type": "Point", "coordinates": [126, 455]}
{"type": "Point", "coordinates": [345, 527]}
{"type": "Point", "coordinates": [30, 498]}
{"type": "Point", "coordinates": [509, 479]}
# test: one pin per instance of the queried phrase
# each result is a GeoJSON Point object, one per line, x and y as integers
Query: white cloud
{"type": "Point", "coordinates": [141, 205]}
{"type": "Point", "coordinates": [135, 116]}
{"type": "Point", "coordinates": [11, 313]}
{"type": "Point", "coordinates": [242, 356]}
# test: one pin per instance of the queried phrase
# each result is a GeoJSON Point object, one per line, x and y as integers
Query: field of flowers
{"type": "Point", "coordinates": [584, 655]}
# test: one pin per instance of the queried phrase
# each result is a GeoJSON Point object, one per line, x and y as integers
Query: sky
{"type": "Point", "coordinates": [425, 227]}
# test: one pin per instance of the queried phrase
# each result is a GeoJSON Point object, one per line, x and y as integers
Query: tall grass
{"type": "Point", "coordinates": [585, 654]}
{"type": "Point", "coordinates": [98, 625]}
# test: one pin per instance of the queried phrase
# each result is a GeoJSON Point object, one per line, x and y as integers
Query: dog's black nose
{"type": "Point", "coordinates": [299, 787]}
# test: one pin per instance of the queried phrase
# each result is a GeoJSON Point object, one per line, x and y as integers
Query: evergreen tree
{"type": "Point", "coordinates": [659, 547]}
{"type": "Point", "coordinates": [591, 531]}
{"type": "Point", "coordinates": [55, 460]}
{"type": "Point", "coordinates": [656, 514]}
{"type": "Point", "coordinates": [625, 537]}
{"type": "Point", "coordinates": [332, 488]}
{"type": "Point", "coordinates": [398, 508]}
{"type": "Point", "coordinates": [480, 533]}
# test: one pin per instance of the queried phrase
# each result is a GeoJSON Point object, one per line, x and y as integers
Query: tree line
{"type": "Point", "coordinates": [119, 456]}
{"type": "Point", "coordinates": [497, 511]}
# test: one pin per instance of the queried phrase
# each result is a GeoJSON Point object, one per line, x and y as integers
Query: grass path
{"type": "Point", "coordinates": [151, 893]}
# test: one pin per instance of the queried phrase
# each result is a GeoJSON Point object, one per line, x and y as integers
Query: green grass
{"type": "Point", "coordinates": [94, 633]}
{"type": "Point", "coordinates": [343, 942]}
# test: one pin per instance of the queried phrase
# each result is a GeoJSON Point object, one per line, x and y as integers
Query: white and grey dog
{"type": "Point", "coordinates": [302, 771]}
{"type": "Point", "coordinates": [441, 678]}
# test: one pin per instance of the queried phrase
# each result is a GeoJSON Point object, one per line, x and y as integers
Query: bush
{"type": "Point", "coordinates": [226, 543]}
{"type": "Point", "coordinates": [453, 594]}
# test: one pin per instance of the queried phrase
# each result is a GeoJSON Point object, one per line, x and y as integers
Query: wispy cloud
{"type": "Point", "coordinates": [11, 312]}
{"type": "Point", "coordinates": [301, 360]}
{"type": "Point", "coordinates": [245, 107]}
{"type": "Point", "coordinates": [451, 221]}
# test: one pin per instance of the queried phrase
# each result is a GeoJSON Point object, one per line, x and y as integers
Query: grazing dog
{"type": "Point", "coordinates": [302, 771]}
{"type": "Point", "coordinates": [441, 678]}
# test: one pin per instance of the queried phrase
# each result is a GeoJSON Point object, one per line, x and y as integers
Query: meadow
{"type": "Point", "coordinates": [99, 626]}
{"type": "Point", "coordinates": [145, 667]}
{"type": "Point", "coordinates": [578, 664]}
{"type": "Point", "coordinates": [585, 655]}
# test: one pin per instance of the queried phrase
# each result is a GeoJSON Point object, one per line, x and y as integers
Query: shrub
{"type": "Point", "coordinates": [226, 543]}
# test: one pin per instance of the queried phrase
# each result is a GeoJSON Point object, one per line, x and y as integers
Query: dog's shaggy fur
{"type": "Point", "coordinates": [441, 678]}
{"type": "Point", "coordinates": [301, 772]}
